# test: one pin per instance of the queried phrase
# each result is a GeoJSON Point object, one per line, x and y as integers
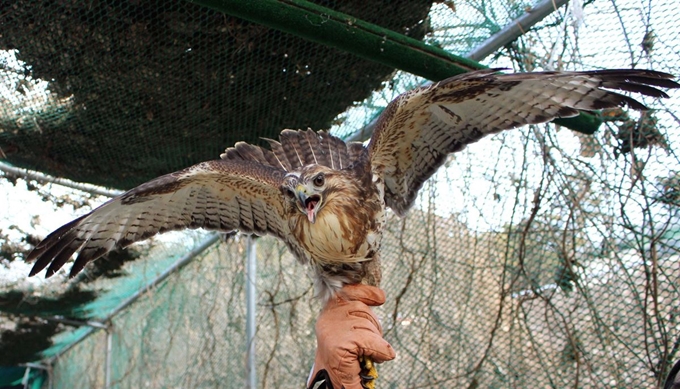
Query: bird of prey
{"type": "Point", "coordinates": [327, 199]}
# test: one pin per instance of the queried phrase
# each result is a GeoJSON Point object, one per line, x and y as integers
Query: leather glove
{"type": "Point", "coordinates": [347, 330]}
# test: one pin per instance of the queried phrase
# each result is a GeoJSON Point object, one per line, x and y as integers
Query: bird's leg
{"type": "Point", "coordinates": [372, 274]}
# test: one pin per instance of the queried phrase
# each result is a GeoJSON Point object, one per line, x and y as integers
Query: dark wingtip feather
{"type": "Point", "coordinates": [643, 82]}
{"type": "Point", "coordinates": [36, 269]}
{"type": "Point", "coordinates": [53, 245]}
{"type": "Point", "coordinates": [667, 82]}
{"type": "Point", "coordinates": [52, 239]}
{"type": "Point", "coordinates": [60, 258]}
{"type": "Point", "coordinates": [39, 266]}
{"type": "Point", "coordinates": [636, 81]}
{"type": "Point", "coordinates": [86, 256]}
{"type": "Point", "coordinates": [618, 100]}
{"type": "Point", "coordinates": [635, 88]}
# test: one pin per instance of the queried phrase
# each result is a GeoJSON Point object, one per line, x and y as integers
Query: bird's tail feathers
{"type": "Point", "coordinates": [298, 148]}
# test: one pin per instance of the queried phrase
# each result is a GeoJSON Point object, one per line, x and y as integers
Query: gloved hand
{"type": "Point", "coordinates": [347, 330]}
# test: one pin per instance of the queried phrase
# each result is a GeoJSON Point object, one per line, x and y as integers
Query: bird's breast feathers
{"type": "Point", "coordinates": [347, 229]}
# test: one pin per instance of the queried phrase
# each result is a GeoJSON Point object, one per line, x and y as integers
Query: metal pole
{"type": "Point", "coordinates": [24, 380]}
{"type": "Point", "coordinates": [78, 323]}
{"type": "Point", "coordinates": [515, 29]}
{"type": "Point", "coordinates": [31, 365]}
{"type": "Point", "coordinates": [41, 177]}
{"type": "Point", "coordinates": [251, 299]}
{"type": "Point", "coordinates": [109, 348]}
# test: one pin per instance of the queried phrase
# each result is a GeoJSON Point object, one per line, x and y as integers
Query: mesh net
{"type": "Point", "coordinates": [537, 258]}
{"type": "Point", "coordinates": [192, 80]}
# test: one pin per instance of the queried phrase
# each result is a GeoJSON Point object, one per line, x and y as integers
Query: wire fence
{"type": "Point", "coordinates": [537, 258]}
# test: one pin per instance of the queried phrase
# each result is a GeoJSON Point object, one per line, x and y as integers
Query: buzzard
{"type": "Point", "coordinates": [326, 199]}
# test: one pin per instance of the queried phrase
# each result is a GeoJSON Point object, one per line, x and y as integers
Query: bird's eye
{"type": "Point", "coordinates": [289, 193]}
{"type": "Point", "coordinates": [319, 180]}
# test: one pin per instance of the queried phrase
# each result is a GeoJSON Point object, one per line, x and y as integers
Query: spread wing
{"type": "Point", "coordinates": [420, 128]}
{"type": "Point", "coordinates": [216, 195]}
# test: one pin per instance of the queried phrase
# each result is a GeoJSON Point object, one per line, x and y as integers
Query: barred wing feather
{"type": "Point", "coordinates": [216, 195]}
{"type": "Point", "coordinates": [420, 128]}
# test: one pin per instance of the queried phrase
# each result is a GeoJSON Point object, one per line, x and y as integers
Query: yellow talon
{"type": "Point", "coordinates": [369, 373]}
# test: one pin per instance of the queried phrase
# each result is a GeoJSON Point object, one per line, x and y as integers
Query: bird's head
{"type": "Point", "coordinates": [306, 190]}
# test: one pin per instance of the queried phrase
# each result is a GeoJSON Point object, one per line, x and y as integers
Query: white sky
{"type": "Point", "coordinates": [18, 205]}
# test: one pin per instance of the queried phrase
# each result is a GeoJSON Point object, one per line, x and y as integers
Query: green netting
{"type": "Point", "coordinates": [16, 376]}
{"type": "Point", "coordinates": [537, 258]}
{"type": "Point", "coordinates": [157, 86]}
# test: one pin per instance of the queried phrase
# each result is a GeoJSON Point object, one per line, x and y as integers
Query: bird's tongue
{"type": "Point", "coordinates": [310, 211]}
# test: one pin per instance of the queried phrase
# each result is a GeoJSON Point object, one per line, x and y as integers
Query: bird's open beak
{"type": "Point", "coordinates": [309, 205]}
